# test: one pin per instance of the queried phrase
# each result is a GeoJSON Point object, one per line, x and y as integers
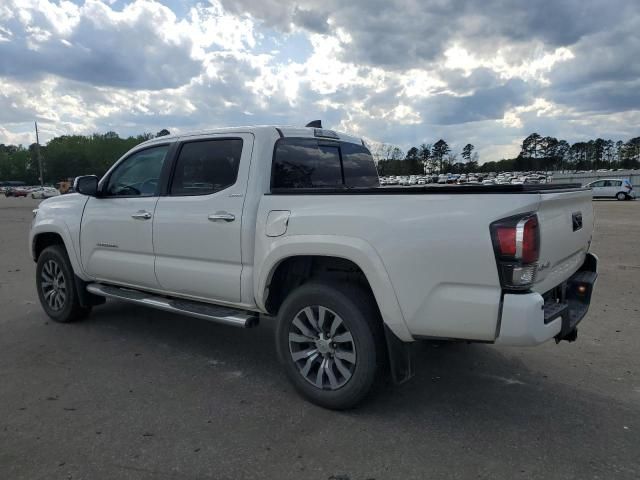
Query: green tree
{"type": "Point", "coordinates": [439, 151]}
{"type": "Point", "coordinates": [467, 152]}
{"type": "Point", "coordinates": [425, 157]}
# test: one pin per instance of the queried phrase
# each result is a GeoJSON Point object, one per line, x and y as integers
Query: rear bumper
{"type": "Point", "coordinates": [527, 319]}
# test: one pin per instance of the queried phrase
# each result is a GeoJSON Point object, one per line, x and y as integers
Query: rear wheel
{"type": "Point", "coordinates": [56, 286]}
{"type": "Point", "coordinates": [621, 196]}
{"type": "Point", "coordinates": [328, 341]}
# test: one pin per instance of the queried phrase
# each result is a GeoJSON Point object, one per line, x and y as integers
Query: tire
{"type": "Point", "coordinates": [621, 196]}
{"type": "Point", "coordinates": [56, 286]}
{"type": "Point", "coordinates": [347, 346]}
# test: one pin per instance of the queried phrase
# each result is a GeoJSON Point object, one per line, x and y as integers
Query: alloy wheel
{"type": "Point", "coordinates": [322, 347]}
{"type": "Point", "coordinates": [53, 284]}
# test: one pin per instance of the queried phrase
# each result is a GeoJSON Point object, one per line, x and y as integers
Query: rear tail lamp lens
{"type": "Point", "coordinates": [530, 240]}
{"type": "Point", "coordinates": [506, 241]}
{"type": "Point", "coordinates": [516, 243]}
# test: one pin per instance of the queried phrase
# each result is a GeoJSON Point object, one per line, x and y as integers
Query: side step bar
{"type": "Point", "coordinates": [206, 311]}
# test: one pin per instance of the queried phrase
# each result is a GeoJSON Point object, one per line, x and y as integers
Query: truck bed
{"type": "Point", "coordinates": [433, 243]}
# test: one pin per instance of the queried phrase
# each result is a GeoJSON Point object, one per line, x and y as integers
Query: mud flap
{"type": "Point", "coordinates": [401, 357]}
{"type": "Point", "coordinates": [86, 299]}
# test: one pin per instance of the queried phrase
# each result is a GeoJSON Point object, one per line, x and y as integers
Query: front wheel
{"type": "Point", "coordinates": [328, 341]}
{"type": "Point", "coordinates": [621, 196]}
{"type": "Point", "coordinates": [56, 286]}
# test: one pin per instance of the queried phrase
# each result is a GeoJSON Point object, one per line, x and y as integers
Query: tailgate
{"type": "Point", "coordinates": [566, 226]}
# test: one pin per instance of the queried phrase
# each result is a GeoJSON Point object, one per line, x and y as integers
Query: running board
{"type": "Point", "coordinates": [206, 311]}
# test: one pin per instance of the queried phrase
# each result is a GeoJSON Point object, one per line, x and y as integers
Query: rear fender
{"type": "Point", "coordinates": [353, 249]}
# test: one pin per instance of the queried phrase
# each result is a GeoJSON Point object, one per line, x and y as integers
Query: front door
{"type": "Point", "coordinates": [116, 238]}
{"type": "Point", "coordinates": [197, 225]}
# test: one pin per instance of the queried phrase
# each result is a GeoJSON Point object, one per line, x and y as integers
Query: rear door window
{"type": "Point", "coordinates": [206, 167]}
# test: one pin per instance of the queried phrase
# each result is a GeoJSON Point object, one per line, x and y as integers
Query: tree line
{"type": "Point", "coordinates": [72, 155]}
{"type": "Point", "coordinates": [537, 153]}
{"type": "Point", "coordinates": [66, 156]}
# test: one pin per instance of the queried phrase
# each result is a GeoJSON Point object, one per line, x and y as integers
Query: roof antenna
{"type": "Point", "coordinates": [314, 124]}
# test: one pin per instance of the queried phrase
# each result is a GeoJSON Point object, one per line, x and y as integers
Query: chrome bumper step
{"type": "Point", "coordinates": [206, 311]}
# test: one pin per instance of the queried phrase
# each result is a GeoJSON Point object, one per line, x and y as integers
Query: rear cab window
{"type": "Point", "coordinates": [316, 163]}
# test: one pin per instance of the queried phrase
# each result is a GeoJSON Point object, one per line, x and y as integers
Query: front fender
{"type": "Point", "coordinates": [48, 225]}
{"type": "Point", "coordinates": [354, 249]}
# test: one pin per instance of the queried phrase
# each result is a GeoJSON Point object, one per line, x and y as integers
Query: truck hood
{"type": "Point", "coordinates": [62, 205]}
{"type": "Point", "coordinates": [70, 200]}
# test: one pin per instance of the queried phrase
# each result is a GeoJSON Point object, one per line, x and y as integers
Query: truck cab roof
{"type": "Point", "coordinates": [281, 130]}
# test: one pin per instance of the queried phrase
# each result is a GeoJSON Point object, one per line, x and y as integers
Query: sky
{"type": "Point", "coordinates": [403, 72]}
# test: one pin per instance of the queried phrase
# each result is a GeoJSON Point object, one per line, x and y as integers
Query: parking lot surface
{"type": "Point", "coordinates": [133, 393]}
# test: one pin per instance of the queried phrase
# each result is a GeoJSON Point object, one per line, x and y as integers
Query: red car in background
{"type": "Point", "coordinates": [15, 192]}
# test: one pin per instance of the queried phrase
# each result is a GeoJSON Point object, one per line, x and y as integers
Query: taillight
{"type": "Point", "coordinates": [516, 243]}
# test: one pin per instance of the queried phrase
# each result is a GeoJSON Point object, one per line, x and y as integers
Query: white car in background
{"type": "Point", "coordinates": [44, 192]}
{"type": "Point", "coordinates": [619, 188]}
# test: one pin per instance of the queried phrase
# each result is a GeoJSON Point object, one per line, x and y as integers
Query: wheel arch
{"type": "Point", "coordinates": [44, 240]}
{"type": "Point", "coordinates": [626, 195]}
{"type": "Point", "coordinates": [48, 234]}
{"type": "Point", "coordinates": [305, 256]}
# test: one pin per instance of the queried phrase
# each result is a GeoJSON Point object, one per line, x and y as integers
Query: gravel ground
{"type": "Point", "coordinates": [140, 394]}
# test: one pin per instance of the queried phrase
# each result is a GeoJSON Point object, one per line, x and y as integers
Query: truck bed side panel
{"type": "Point", "coordinates": [436, 250]}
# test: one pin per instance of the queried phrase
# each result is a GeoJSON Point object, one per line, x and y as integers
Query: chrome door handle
{"type": "Point", "coordinates": [141, 215]}
{"type": "Point", "coordinates": [227, 217]}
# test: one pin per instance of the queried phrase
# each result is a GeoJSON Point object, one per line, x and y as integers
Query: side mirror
{"type": "Point", "coordinates": [86, 185]}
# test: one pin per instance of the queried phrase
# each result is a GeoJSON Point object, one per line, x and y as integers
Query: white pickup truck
{"type": "Point", "coordinates": [290, 224]}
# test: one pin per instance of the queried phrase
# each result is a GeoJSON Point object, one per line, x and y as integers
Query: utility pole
{"type": "Point", "coordinates": [39, 157]}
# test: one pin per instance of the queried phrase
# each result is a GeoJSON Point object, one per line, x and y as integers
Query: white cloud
{"type": "Point", "coordinates": [403, 72]}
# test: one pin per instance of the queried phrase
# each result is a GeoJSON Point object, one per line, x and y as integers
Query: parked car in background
{"type": "Point", "coordinates": [44, 192]}
{"type": "Point", "coordinates": [8, 185]}
{"type": "Point", "coordinates": [16, 192]}
{"type": "Point", "coordinates": [473, 180]}
{"type": "Point", "coordinates": [619, 188]}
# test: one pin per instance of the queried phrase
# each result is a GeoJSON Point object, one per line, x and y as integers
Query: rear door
{"type": "Point", "coordinates": [612, 187]}
{"type": "Point", "coordinates": [197, 225]}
